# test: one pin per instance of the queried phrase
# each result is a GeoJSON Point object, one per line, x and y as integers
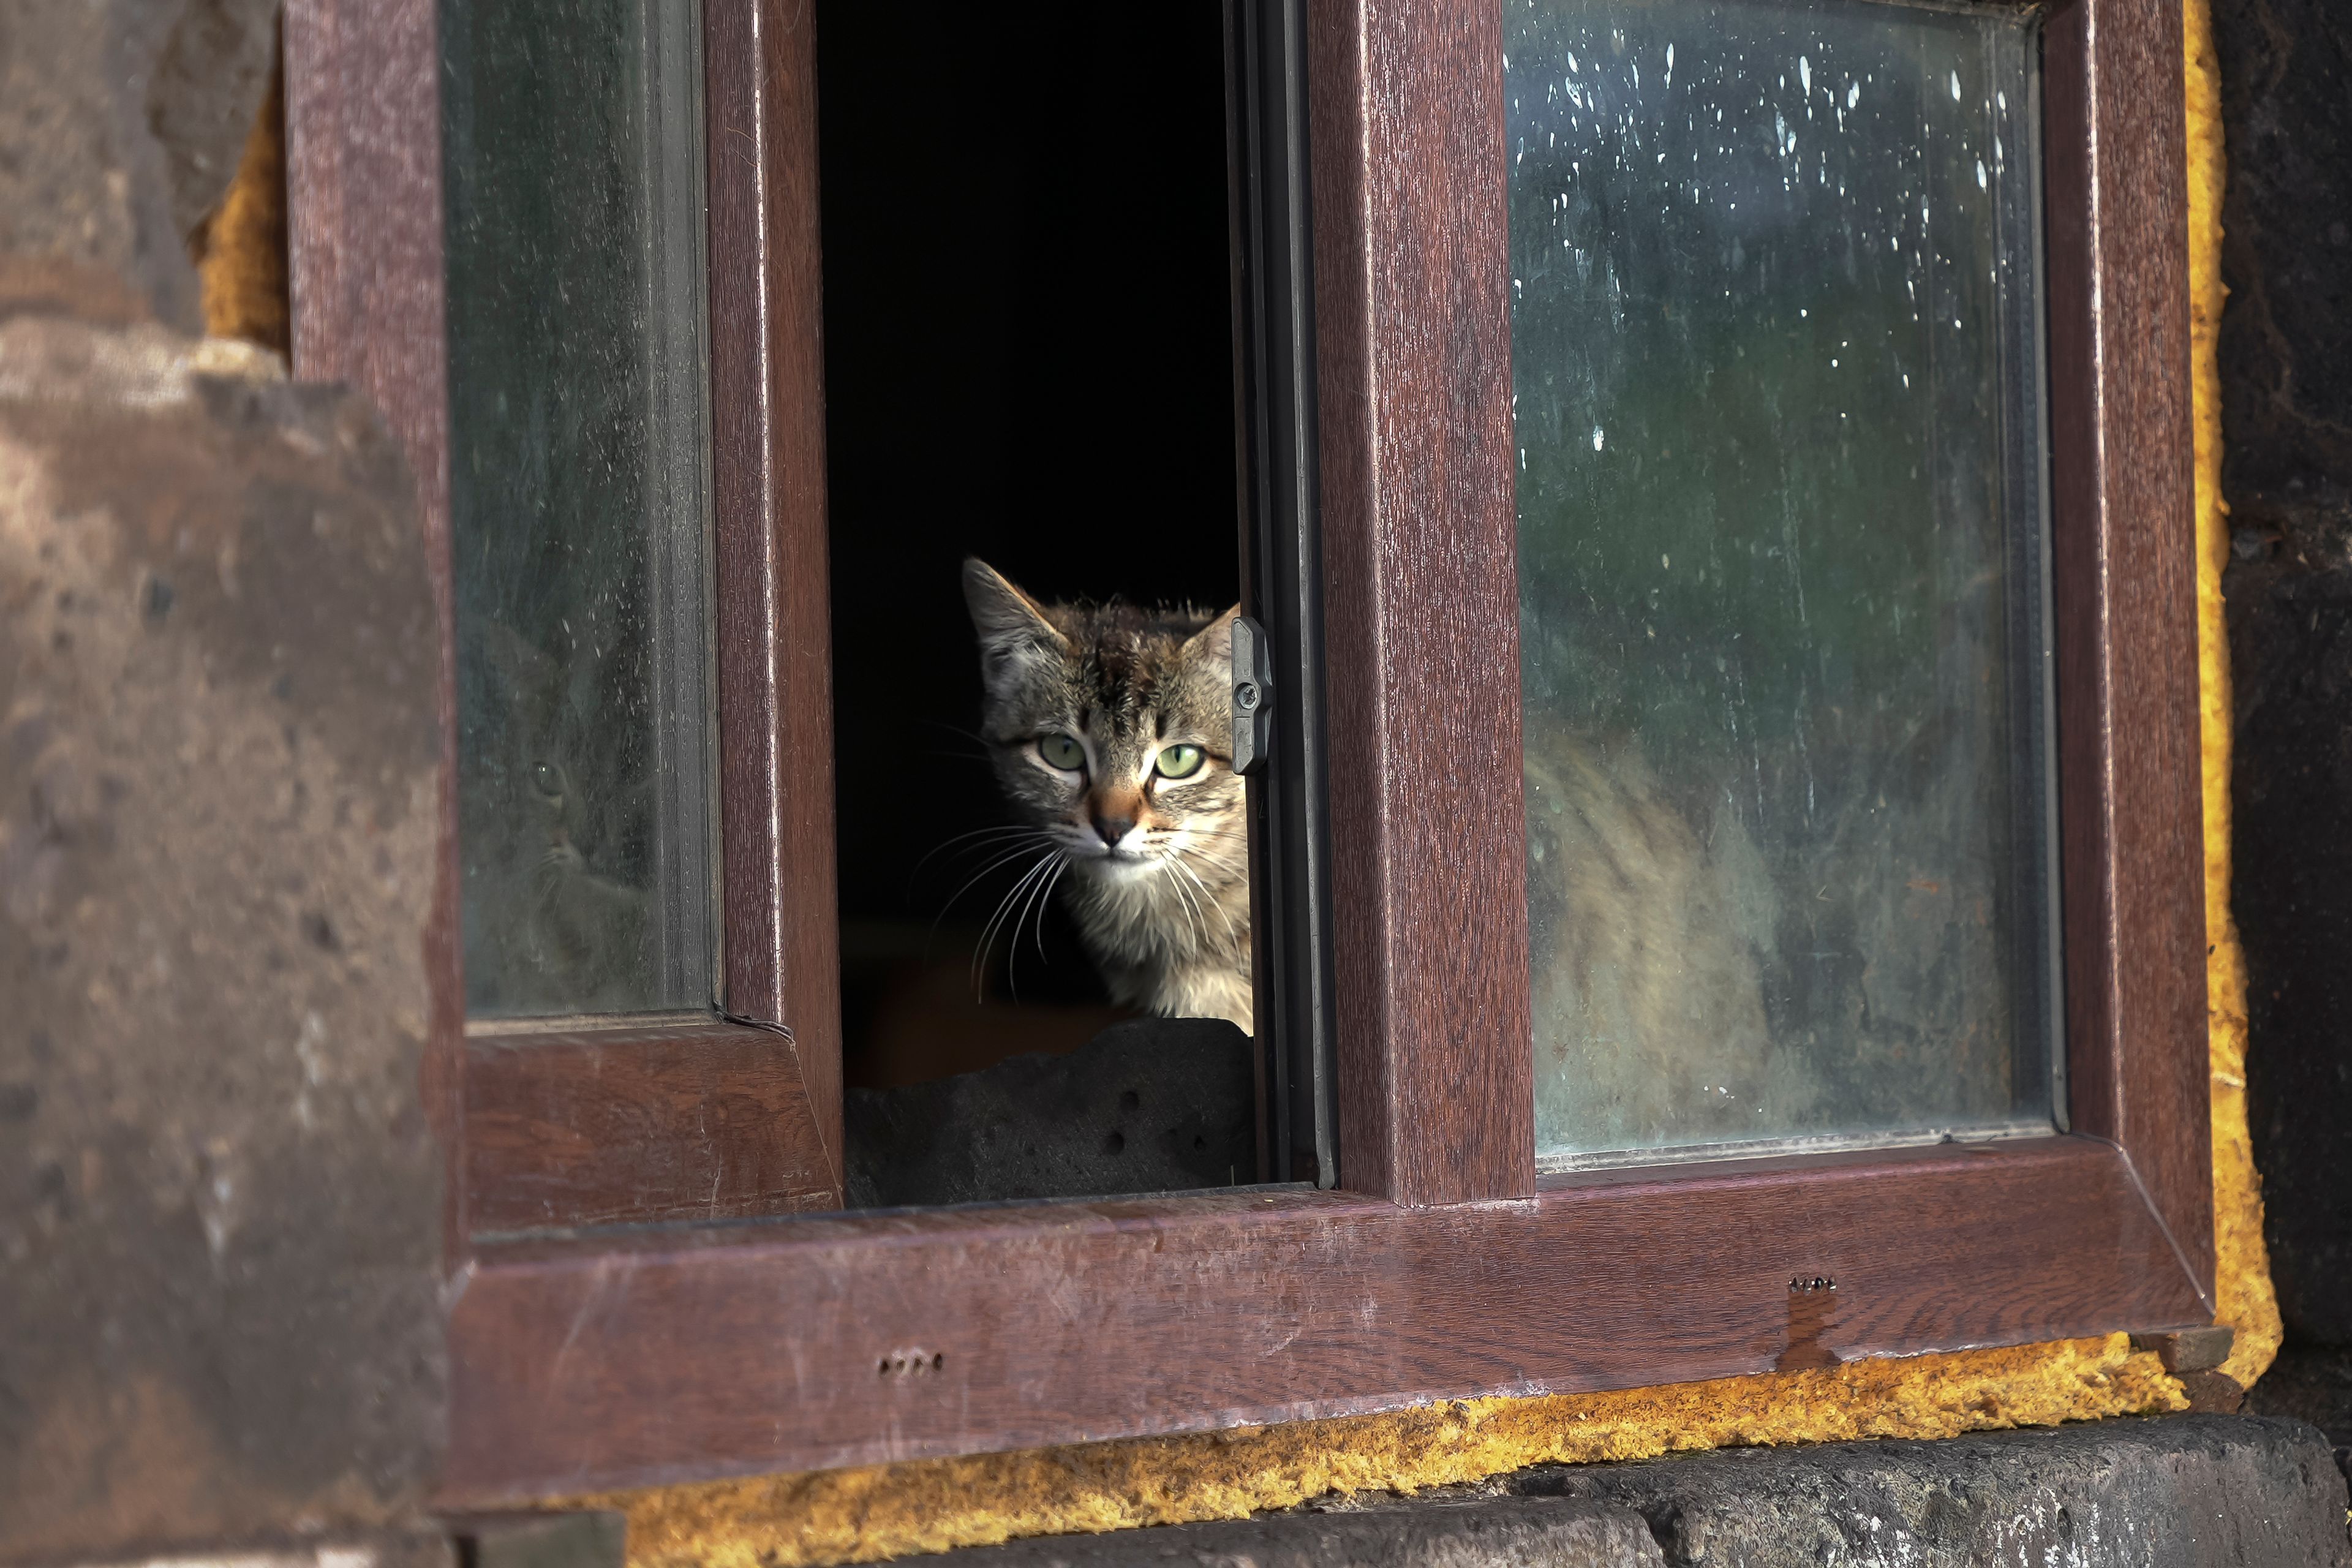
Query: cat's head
{"type": "Point", "coordinates": [549, 810]}
{"type": "Point", "coordinates": [1111, 729]}
{"type": "Point", "coordinates": [524, 799]}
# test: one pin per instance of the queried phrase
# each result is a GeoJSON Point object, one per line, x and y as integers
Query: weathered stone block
{"type": "Point", "coordinates": [1534, 1531]}
{"type": "Point", "coordinates": [220, 777]}
{"type": "Point", "coordinates": [1148, 1105]}
{"type": "Point", "coordinates": [2189, 1491]}
{"type": "Point", "coordinates": [121, 121]}
{"type": "Point", "coordinates": [2192, 1492]}
{"type": "Point", "coordinates": [2311, 1383]}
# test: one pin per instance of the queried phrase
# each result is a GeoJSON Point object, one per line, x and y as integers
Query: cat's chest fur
{"type": "Point", "coordinates": [1180, 950]}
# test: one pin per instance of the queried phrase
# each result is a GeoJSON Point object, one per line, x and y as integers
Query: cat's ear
{"type": "Point", "coordinates": [522, 669]}
{"type": "Point", "coordinates": [1010, 624]}
{"type": "Point", "coordinates": [1212, 648]}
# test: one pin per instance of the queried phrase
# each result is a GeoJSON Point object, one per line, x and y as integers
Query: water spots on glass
{"type": "Point", "coordinates": [577, 503]}
{"type": "Point", "coordinates": [1744, 346]}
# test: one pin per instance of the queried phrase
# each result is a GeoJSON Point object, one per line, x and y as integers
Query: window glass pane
{"type": "Point", "coordinates": [1773, 275]}
{"type": "Point", "coordinates": [572, 152]}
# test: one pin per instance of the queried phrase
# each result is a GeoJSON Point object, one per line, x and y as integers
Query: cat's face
{"type": "Point", "coordinates": [525, 793]}
{"type": "Point", "coordinates": [1111, 730]}
{"type": "Point", "coordinates": [544, 820]}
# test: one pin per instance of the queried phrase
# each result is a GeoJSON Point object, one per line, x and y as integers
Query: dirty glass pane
{"type": "Point", "coordinates": [572, 144]}
{"type": "Point", "coordinates": [1776, 358]}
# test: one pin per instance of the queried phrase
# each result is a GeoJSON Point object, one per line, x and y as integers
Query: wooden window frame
{"type": "Point", "coordinates": [621, 1354]}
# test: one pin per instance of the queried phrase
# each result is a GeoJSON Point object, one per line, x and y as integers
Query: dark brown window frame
{"type": "Point", "coordinates": [627, 1356]}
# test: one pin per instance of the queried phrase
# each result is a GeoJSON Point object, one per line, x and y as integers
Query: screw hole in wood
{"type": "Point", "coordinates": [911, 1363]}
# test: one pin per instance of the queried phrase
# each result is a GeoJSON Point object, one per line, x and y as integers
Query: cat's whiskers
{"type": "Point", "coordinates": [1212, 898]}
{"type": "Point", "coordinates": [1184, 901]}
{"type": "Point", "coordinates": [1006, 858]}
{"type": "Point", "coordinates": [1197, 842]}
{"type": "Point", "coordinates": [988, 932]}
{"type": "Point", "coordinates": [1215, 858]}
{"type": "Point", "coordinates": [1234, 873]}
{"type": "Point", "coordinates": [1200, 922]}
{"type": "Point", "coordinates": [1196, 901]}
{"type": "Point", "coordinates": [1047, 903]}
{"type": "Point", "coordinates": [1040, 889]}
{"type": "Point", "coordinates": [960, 734]}
{"type": "Point", "coordinates": [1001, 831]}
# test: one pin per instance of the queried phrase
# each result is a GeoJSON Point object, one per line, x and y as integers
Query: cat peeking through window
{"type": "Point", "coordinates": [1111, 726]}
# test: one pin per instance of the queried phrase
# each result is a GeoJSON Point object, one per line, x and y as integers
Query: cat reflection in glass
{"type": "Point", "coordinates": [1110, 728]}
{"type": "Point", "coordinates": [550, 928]}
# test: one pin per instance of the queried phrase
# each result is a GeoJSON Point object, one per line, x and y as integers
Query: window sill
{"type": "Point", "coordinates": [651, 1354]}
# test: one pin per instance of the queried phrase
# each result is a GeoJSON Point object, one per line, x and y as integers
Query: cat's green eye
{"type": "Point", "coordinates": [548, 781]}
{"type": "Point", "coordinates": [1180, 762]}
{"type": "Point", "coordinates": [1061, 751]}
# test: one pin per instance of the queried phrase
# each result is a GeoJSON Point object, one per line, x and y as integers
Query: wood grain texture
{"type": "Point", "coordinates": [2123, 530]}
{"type": "Point", "coordinates": [783, 962]}
{"type": "Point", "coordinates": [664, 1355]}
{"type": "Point", "coordinates": [635, 1125]}
{"type": "Point", "coordinates": [367, 288]}
{"type": "Point", "coordinates": [1414, 387]}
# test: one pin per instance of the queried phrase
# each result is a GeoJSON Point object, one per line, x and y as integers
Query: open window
{"type": "Point", "coordinates": [1029, 362]}
{"type": "Point", "coordinates": [1704, 479]}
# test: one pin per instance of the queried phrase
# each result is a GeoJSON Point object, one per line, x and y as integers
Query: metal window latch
{"type": "Point", "coordinates": [1253, 695]}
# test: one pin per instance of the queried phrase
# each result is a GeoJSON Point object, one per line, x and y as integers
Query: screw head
{"type": "Point", "coordinates": [1245, 695]}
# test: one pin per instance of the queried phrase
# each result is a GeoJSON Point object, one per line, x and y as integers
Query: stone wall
{"type": "Point", "coordinates": [220, 775]}
{"type": "Point", "coordinates": [2287, 403]}
{"type": "Point", "coordinates": [2197, 1491]}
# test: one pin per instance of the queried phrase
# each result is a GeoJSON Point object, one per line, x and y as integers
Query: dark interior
{"type": "Point", "coordinates": [1028, 357]}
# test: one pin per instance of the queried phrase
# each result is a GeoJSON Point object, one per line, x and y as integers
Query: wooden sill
{"type": "Point", "coordinates": [659, 1353]}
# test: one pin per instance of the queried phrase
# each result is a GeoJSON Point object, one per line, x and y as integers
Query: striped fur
{"type": "Point", "coordinates": [1087, 710]}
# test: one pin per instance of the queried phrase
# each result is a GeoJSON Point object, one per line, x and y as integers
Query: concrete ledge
{"type": "Point", "coordinates": [2191, 1491]}
{"type": "Point", "coordinates": [1444, 1533]}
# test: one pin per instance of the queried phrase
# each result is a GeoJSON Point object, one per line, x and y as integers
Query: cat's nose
{"type": "Point", "coordinates": [1113, 828]}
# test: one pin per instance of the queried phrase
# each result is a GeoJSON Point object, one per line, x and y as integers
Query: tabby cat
{"type": "Point", "coordinates": [1649, 909]}
{"type": "Point", "coordinates": [1110, 728]}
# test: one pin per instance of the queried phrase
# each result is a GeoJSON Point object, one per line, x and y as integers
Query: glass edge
{"type": "Point", "coordinates": [2042, 647]}
{"type": "Point", "coordinates": [1557, 1162]}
